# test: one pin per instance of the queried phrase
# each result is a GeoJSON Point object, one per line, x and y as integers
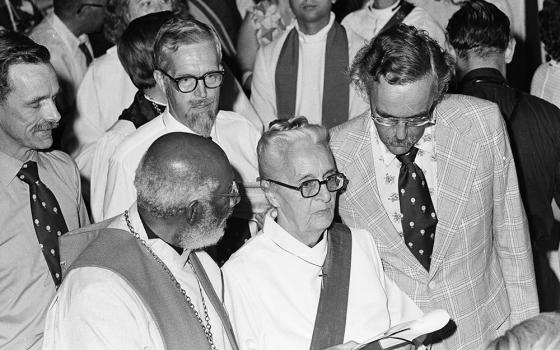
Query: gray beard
{"type": "Point", "coordinates": [202, 122]}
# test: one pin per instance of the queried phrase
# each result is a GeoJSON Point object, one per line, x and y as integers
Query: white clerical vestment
{"type": "Point", "coordinates": [272, 289]}
{"type": "Point", "coordinates": [95, 308]}
{"type": "Point", "coordinates": [236, 135]}
{"type": "Point", "coordinates": [311, 68]}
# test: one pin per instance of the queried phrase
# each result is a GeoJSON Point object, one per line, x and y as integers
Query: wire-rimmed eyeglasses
{"type": "Point", "coordinates": [310, 188]}
{"type": "Point", "coordinates": [421, 120]}
{"type": "Point", "coordinates": [233, 195]}
{"type": "Point", "coordinates": [188, 83]}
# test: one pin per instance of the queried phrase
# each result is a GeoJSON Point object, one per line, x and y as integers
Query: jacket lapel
{"type": "Point", "coordinates": [457, 158]}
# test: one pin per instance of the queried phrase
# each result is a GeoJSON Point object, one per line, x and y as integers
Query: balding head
{"type": "Point", "coordinates": [184, 184]}
{"type": "Point", "coordinates": [177, 169]}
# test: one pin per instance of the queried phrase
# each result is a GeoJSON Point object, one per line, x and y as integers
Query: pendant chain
{"type": "Point", "coordinates": [206, 328]}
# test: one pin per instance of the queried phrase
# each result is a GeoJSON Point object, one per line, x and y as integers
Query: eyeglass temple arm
{"type": "Point", "coordinates": [282, 184]}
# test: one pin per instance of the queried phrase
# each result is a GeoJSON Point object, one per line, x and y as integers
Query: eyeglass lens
{"type": "Point", "coordinates": [211, 80]}
{"type": "Point", "coordinates": [311, 188]}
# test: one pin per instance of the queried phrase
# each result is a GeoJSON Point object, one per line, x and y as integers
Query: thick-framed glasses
{"type": "Point", "coordinates": [394, 121]}
{"type": "Point", "coordinates": [311, 188]}
{"type": "Point", "coordinates": [233, 195]}
{"type": "Point", "coordinates": [188, 83]}
{"type": "Point", "coordinates": [89, 4]}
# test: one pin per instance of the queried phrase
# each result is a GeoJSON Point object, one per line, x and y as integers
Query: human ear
{"type": "Point", "coordinates": [510, 50]}
{"type": "Point", "coordinates": [194, 212]}
{"type": "Point", "coordinates": [269, 193]}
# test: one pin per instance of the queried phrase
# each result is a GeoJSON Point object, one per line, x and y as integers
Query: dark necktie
{"type": "Point", "coordinates": [86, 52]}
{"type": "Point", "coordinates": [419, 218]}
{"type": "Point", "coordinates": [47, 217]}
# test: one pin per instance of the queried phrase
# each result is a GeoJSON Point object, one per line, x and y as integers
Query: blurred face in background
{"type": "Point", "coordinates": [139, 8]}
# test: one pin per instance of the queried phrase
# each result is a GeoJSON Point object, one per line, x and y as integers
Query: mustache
{"type": "Point", "coordinates": [201, 103]}
{"type": "Point", "coordinates": [45, 126]}
{"type": "Point", "coordinates": [400, 143]}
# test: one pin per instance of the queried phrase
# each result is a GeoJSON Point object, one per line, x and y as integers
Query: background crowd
{"type": "Point", "coordinates": [440, 163]}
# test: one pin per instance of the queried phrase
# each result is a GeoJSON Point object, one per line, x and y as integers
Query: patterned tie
{"type": "Point", "coordinates": [419, 218]}
{"type": "Point", "coordinates": [47, 217]}
{"type": "Point", "coordinates": [86, 52]}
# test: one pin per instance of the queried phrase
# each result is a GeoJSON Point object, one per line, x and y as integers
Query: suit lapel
{"type": "Point", "coordinates": [457, 159]}
{"type": "Point", "coordinates": [364, 196]}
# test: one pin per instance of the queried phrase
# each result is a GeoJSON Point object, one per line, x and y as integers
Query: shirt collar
{"type": "Point", "coordinates": [389, 11]}
{"type": "Point", "coordinates": [320, 35]}
{"type": "Point", "coordinates": [69, 38]}
{"type": "Point", "coordinates": [488, 75]}
{"type": "Point", "coordinates": [426, 143]}
{"type": "Point", "coordinates": [314, 255]}
{"type": "Point", "coordinates": [173, 124]}
{"type": "Point", "coordinates": [11, 166]}
{"type": "Point", "coordinates": [163, 250]}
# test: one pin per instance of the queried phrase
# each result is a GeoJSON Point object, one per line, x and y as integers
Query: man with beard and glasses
{"type": "Point", "coordinates": [40, 196]}
{"type": "Point", "coordinates": [187, 59]}
{"type": "Point", "coordinates": [433, 177]}
{"type": "Point", "coordinates": [140, 280]}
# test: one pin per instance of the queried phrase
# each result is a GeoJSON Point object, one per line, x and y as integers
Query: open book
{"type": "Point", "coordinates": [407, 332]}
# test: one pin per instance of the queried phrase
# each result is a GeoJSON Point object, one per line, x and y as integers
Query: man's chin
{"type": "Point", "coordinates": [398, 150]}
{"type": "Point", "coordinates": [209, 239]}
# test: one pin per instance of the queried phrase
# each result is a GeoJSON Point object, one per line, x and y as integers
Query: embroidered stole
{"type": "Point", "coordinates": [336, 92]}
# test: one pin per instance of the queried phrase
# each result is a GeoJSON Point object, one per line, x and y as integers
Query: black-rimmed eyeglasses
{"type": "Point", "coordinates": [311, 188]}
{"type": "Point", "coordinates": [188, 83]}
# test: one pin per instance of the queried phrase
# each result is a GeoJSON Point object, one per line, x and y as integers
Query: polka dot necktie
{"type": "Point", "coordinates": [47, 217]}
{"type": "Point", "coordinates": [419, 218]}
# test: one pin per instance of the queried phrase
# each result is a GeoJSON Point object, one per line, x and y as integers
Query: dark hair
{"type": "Point", "coordinates": [478, 27]}
{"type": "Point", "coordinates": [549, 28]}
{"type": "Point", "coordinates": [16, 48]}
{"type": "Point", "coordinates": [178, 32]}
{"type": "Point", "coordinates": [136, 48]}
{"type": "Point", "coordinates": [116, 21]}
{"type": "Point", "coordinates": [401, 55]}
{"type": "Point", "coordinates": [66, 7]}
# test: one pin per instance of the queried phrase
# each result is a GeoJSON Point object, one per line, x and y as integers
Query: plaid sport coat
{"type": "Point", "coordinates": [482, 269]}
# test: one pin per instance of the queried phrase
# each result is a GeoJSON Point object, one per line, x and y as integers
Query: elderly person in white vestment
{"type": "Point", "coordinates": [274, 283]}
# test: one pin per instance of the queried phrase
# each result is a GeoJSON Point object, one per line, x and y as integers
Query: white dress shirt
{"type": "Point", "coordinates": [106, 91]}
{"type": "Point", "coordinates": [546, 82]}
{"type": "Point", "coordinates": [104, 149]}
{"type": "Point", "coordinates": [95, 308]}
{"type": "Point", "coordinates": [368, 21]}
{"type": "Point", "coordinates": [67, 58]}
{"type": "Point", "coordinates": [26, 285]}
{"type": "Point", "coordinates": [387, 168]}
{"type": "Point", "coordinates": [272, 289]}
{"type": "Point", "coordinates": [232, 132]}
{"type": "Point", "coordinates": [311, 67]}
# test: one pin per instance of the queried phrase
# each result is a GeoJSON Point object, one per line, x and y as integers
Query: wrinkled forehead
{"type": "Point", "coordinates": [306, 158]}
{"type": "Point", "coordinates": [408, 99]}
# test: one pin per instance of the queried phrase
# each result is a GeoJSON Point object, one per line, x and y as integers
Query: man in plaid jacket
{"type": "Point", "coordinates": [480, 269]}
